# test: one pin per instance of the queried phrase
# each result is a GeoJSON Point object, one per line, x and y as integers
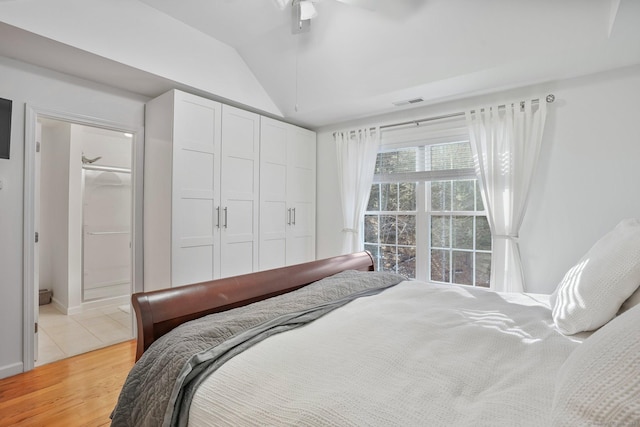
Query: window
{"type": "Point", "coordinates": [425, 217]}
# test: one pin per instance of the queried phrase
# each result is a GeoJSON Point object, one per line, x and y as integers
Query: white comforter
{"type": "Point", "coordinates": [417, 354]}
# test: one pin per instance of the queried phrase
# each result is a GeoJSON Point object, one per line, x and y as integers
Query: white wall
{"type": "Point", "coordinates": [54, 207]}
{"type": "Point", "coordinates": [23, 83]}
{"type": "Point", "coordinates": [140, 36]}
{"type": "Point", "coordinates": [74, 220]}
{"type": "Point", "coordinates": [586, 181]}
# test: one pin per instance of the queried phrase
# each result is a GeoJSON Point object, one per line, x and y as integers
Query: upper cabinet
{"type": "Point", "coordinates": [287, 195]}
{"type": "Point", "coordinates": [226, 192]}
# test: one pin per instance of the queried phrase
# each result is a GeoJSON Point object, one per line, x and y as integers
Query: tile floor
{"type": "Point", "coordinates": [61, 336]}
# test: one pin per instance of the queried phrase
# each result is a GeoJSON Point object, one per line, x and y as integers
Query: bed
{"type": "Point", "coordinates": [332, 342]}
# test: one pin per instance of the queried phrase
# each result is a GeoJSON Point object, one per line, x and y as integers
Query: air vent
{"type": "Point", "coordinates": [408, 102]}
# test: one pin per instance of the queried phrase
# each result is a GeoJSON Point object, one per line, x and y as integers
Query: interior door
{"type": "Point", "coordinates": [36, 246]}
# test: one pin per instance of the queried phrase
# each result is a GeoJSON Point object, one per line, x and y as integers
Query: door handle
{"type": "Point", "coordinates": [225, 217]}
{"type": "Point", "coordinates": [294, 216]}
{"type": "Point", "coordinates": [218, 212]}
{"type": "Point", "coordinates": [289, 216]}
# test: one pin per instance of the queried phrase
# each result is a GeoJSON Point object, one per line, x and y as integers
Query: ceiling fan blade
{"type": "Point", "coordinates": [365, 4]}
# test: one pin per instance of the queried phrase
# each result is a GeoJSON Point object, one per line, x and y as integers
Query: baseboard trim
{"type": "Point", "coordinates": [11, 370]}
{"type": "Point", "coordinates": [59, 306]}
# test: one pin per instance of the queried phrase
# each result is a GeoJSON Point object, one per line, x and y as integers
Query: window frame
{"type": "Point", "coordinates": [440, 133]}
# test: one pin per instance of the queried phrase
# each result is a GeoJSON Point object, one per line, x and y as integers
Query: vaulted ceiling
{"type": "Point", "coordinates": [356, 62]}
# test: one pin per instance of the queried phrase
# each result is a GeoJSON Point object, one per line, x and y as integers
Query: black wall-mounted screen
{"type": "Point", "coordinates": [5, 128]}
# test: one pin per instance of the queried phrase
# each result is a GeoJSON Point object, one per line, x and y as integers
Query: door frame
{"type": "Point", "coordinates": [32, 114]}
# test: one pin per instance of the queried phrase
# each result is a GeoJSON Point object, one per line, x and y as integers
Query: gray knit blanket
{"type": "Point", "coordinates": [159, 388]}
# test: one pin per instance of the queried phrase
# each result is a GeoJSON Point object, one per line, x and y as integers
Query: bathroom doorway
{"type": "Point", "coordinates": [83, 258]}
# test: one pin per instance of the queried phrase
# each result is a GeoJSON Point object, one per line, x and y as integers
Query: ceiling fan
{"type": "Point", "coordinates": [303, 11]}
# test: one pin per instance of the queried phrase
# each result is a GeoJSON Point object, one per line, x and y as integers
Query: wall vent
{"type": "Point", "coordinates": [408, 102]}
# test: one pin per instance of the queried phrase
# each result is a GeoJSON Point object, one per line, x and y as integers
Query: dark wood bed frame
{"type": "Point", "coordinates": [158, 312]}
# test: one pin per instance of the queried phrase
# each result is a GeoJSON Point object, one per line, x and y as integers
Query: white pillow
{"type": "Point", "coordinates": [631, 302]}
{"type": "Point", "coordinates": [599, 383]}
{"type": "Point", "coordinates": [593, 290]}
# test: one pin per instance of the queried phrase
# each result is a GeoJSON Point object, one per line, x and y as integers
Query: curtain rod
{"type": "Point", "coordinates": [549, 98]}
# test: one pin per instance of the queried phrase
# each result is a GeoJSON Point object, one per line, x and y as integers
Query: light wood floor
{"type": "Point", "coordinates": [79, 391]}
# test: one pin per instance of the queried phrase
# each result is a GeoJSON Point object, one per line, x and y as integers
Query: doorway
{"type": "Point", "coordinates": [82, 270]}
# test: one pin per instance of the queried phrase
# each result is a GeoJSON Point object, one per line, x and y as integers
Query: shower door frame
{"type": "Point", "coordinates": [30, 296]}
{"type": "Point", "coordinates": [90, 167]}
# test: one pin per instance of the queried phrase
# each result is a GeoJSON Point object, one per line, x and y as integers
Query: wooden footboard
{"type": "Point", "coordinates": [158, 312]}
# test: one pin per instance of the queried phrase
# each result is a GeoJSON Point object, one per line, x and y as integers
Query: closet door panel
{"type": "Point", "coordinates": [240, 191]}
{"type": "Point", "coordinates": [238, 220]}
{"type": "Point", "coordinates": [301, 241]}
{"type": "Point", "coordinates": [196, 189]}
{"type": "Point", "coordinates": [273, 215]}
{"type": "Point", "coordinates": [299, 249]}
{"type": "Point", "coordinates": [235, 260]}
{"type": "Point", "coordinates": [196, 227]}
{"type": "Point", "coordinates": [302, 195]}
{"type": "Point", "coordinates": [192, 264]}
{"type": "Point", "coordinates": [274, 211]}
{"type": "Point", "coordinates": [239, 177]}
{"type": "Point", "coordinates": [287, 194]}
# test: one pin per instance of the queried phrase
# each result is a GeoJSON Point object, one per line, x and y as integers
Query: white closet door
{"type": "Point", "coordinates": [240, 191]}
{"type": "Point", "coordinates": [275, 215]}
{"type": "Point", "coordinates": [301, 183]}
{"type": "Point", "coordinates": [196, 166]}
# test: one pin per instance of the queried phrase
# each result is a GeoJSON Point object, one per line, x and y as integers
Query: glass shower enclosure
{"type": "Point", "coordinates": [106, 236]}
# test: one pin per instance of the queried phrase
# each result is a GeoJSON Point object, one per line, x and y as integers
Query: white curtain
{"type": "Point", "coordinates": [357, 151]}
{"type": "Point", "coordinates": [506, 143]}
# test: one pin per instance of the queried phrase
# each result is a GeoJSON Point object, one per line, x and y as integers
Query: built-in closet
{"type": "Point", "coordinates": [211, 173]}
{"type": "Point", "coordinates": [287, 194]}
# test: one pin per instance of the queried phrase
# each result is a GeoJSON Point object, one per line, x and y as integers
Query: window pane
{"type": "Point", "coordinates": [440, 231]}
{"type": "Point", "coordinates": [407, 262]}
{"type": "Point", "coordinates": [483, 234]}
{"type": "Point", "coordinates": [463, 268]}
{"type": "Point", "coordinates": [374, 198]}
{"type": "Point", "coordinates": [451, 156]}
{"type": "Point", "coordinates": [389, 197]}
{"type": "Point", "coordinates": [375, 253]}
{"type": "Point", "coordinates": [483, 269]}
{"type": "Point", "coordinates": [479, 203]}
{"type": "Point", "coordinates": [407, 196]}
{"type": "Point", "coordinates": [371, 228]}
{"type": "Point", "coordinates": [440, 266]}
{"type": "Point", "coordinates": [463, 195]}
{"type": "Point", "coordinates": [406, 226]}
{"type": "Point", "coordinates": [397, 161]}
{"type": "Point", "coordinates": [463, 232]}
{"type": "Point", "coordinates": [388, 229]}
{"type": "Point", "coordinates": [441, 196]}
{"type": "Point", "coordinates": [388, 261]}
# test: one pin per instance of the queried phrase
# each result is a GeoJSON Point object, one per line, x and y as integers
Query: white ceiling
{"type": "Point", "coordinates": [356, 62]}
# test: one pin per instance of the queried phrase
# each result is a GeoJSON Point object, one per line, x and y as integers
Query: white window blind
{"type": "Point", "coordinates": [432, 151]}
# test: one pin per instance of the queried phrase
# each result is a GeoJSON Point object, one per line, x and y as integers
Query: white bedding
{"type": "Point", "coordinates": [416, 354]}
